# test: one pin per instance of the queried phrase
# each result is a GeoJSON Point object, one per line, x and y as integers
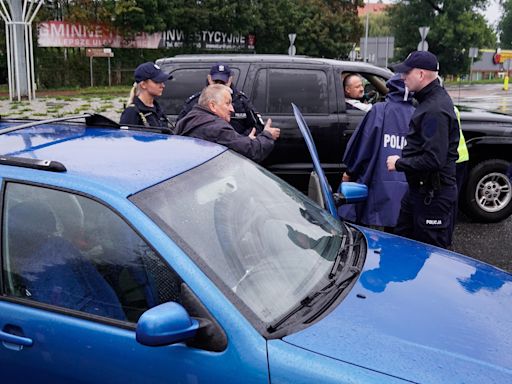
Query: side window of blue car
{"type": "Point", "coordinates": [70, 251]}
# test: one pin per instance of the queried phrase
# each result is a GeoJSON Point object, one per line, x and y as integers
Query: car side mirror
{"type": "Point", "coordinates": [349, 193]}
{"type": "Point", "coordinates": [165, 324]}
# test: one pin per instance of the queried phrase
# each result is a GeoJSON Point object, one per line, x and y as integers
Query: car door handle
{"type": "Point", "coordinates": [13, 339]}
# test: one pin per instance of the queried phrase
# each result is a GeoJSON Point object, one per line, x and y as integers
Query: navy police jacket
{"type": "Point", "coordinates": [244, 119]}
{"type": "Point", "coordinates": [381, 134]}
{"type": "Point", "coordinates": [139, 113]}
{"type": "Point", "coordinates": [429, 157]}
{"type": "Point", "coordinates": [203, 124]}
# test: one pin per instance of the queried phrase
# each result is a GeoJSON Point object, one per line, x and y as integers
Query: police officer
{"type": "Point", "coordinates": [381, 134]}
{"type": "Point", "coordinates": [142, 108]}
{"type": "Point", "coordinates": [428, 158]}
{"type": "Point", "coordinates": [245, 117]}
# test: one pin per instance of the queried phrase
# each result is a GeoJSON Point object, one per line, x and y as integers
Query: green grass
{"type": "Point", "coordinates": [69, 93]}
{"type": "Point", "coordinates": [116, 90]}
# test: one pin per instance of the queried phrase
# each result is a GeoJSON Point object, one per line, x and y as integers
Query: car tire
{"type": "Point", "coordinates": [487, 196]}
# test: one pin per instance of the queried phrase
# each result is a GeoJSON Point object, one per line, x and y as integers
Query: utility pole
{"type": "Point", "coordinates": [365, 54]}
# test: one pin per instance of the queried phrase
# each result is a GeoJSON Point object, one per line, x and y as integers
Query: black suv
{"type": "Point", "coordinates": [273, 82]}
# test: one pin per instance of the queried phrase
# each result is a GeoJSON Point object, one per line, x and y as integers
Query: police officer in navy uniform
{"type": "Point", "coordinates": [245, 117]}
{"type": "Point", "coordinates": [428, 159]}
{"type": "Point", "coordinates": [142, 108]}
{"type": "Point", "coordinates": [381, 134]}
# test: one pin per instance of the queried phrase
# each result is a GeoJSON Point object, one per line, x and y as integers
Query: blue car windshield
{"type": "Point", "coordinates": [266, 242]}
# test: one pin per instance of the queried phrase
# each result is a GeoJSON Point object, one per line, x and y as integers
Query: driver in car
{"type": "Point", "coordinates": [354, 93]}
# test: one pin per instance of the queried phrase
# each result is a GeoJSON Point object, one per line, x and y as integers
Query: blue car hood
{"type": "Point", "coordinates": [422, 314]}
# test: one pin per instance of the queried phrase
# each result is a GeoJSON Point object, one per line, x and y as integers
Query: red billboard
{"type": "Point", "coordinates": [65, 34]}
{"type": "Point", "coordinates": [75, 35]}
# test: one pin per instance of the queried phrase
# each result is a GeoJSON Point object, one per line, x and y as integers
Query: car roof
{"type": "Point", "coordinates": [246, 58]}
{"type": "Point", "coordinates": [123, 160]}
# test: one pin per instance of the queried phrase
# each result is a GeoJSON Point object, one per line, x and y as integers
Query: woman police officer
{"type": "Point", "coordinates": [142, 108]}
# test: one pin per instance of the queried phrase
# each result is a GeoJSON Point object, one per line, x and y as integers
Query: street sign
{"type": "Point", "coordinates": [473, 52]}
{"type": "Point", "coordinates": [424, 32]}
{"type": "Point", "coordinates": [292, 50]}
{"type": "Point", "coordinates": [99, 52]}
{"type": "Point", "coordinates": [423, 45]}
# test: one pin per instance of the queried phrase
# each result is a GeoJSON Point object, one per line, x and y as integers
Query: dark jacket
{"type": "Point", "coordinates": [139, 113]}
{"type": "Point", "coordinates": [203, 124]}
{"type": "Point", "coordinates": [381, 134]}
{"type": "Point", "coordinates": [245, 118]}
{"type": "Point", "coordinates": [429, 157]}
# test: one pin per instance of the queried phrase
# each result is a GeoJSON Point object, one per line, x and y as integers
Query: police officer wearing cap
{"type": "Point", "coordinates": [428, 159]}
{"type": "Point", "coordinates": [142, 108]}
{"type": "Point", "coordinates": [245, 117]}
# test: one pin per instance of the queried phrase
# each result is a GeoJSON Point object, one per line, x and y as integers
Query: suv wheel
{"type": "Point", "coordinates": [488, 193]}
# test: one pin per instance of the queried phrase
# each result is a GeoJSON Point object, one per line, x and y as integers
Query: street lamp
{"type": "Point", "coordinates": [365, 56]}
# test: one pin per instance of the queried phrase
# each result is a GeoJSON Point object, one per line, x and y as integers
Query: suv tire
{"type": "Point", "coordinates": [488, 193]}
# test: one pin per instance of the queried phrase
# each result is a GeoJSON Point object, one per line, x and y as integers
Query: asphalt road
{"type": "Point", "coordinates": [491, 243]}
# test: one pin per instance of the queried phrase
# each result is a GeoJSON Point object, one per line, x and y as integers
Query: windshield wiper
{"type": "Point", "coordinates": [339, 256]}
{"type": "Point", "coordinates": [339, 283]}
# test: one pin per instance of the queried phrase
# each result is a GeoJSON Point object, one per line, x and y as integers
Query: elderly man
{"type": "Point", "coordinates": [245, 117]}
{"type": "Point", "coordinates": [209, 120]}
{"type": "Point", "coordinates": [428, 158]}
{"type": "Point", "coordinates": [354, 92]}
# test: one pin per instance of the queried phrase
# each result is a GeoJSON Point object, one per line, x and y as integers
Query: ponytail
{"type": "Point", "coordinates": [133, 92]}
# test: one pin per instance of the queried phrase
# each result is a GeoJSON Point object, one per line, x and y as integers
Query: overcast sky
{"type": "Point", "coordinates": [492, 13]}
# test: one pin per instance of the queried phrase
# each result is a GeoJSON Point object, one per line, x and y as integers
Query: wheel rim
{"type": "Point", "coordinates": [493, 192]}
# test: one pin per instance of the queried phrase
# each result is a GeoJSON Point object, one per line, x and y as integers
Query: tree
{"type": "Point", "coordinates": [505, 25]}
{"type": "Point", "coordinates": [455, 26]}
{"type": "Point", "coordinates": [379, 24]}
{"type": "Point", "coordinates": [325, 28]}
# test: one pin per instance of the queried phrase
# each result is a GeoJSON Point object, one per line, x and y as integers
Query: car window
{"type": "Point", "coordinates": [276, 89]}
{"type": "Point", "coordinates": [185, 83]}
{"type": "Point", "coordinates": [375, 89]}
{"type": "Point", "coordinates": [269, 245]}
{"type": "Point", "coordinates": [72, 252]}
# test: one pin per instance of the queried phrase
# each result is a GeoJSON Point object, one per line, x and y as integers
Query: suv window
{"type": "Point", "coordinates": [375, 89]}
{"type": "Point", "coordinates": [276, 89]}
{"type": "Point", "coordinates": [72, 252]}
{"type": "Point", "coordinates": [184, 84]}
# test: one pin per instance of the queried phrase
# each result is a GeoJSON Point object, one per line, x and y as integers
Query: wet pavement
{"type": "Point", "coordinates": [485, 96]}
{"type": "Point", "coordinates": [491, 243]}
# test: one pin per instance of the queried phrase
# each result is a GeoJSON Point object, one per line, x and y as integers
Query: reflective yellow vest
{"type": "Point", "coordinates": [462, 149]}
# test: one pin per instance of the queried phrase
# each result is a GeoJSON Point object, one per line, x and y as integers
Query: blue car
{"type": "Point", "coordinates": [135, 256]}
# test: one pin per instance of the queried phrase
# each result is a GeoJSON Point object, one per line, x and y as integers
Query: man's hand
{"type": "Point", "coordinates": [252, 135]}
{"type": "Point", "coordinates": [345, 177]}
{"type": "Point", "coordinates": [275, 132]}
{"type": "Point", "coordinates": [391, 161]}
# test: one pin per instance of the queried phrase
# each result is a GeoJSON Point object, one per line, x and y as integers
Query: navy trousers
{"type": "Point", "coordinates": [428, 216]}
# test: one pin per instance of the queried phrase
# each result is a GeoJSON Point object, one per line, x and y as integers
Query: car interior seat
{"type": "Point", "coordinates": [49, 269]}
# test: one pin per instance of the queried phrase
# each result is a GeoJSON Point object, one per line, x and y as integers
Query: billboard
{"type": "Point", "coordinates": [76, 35]}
